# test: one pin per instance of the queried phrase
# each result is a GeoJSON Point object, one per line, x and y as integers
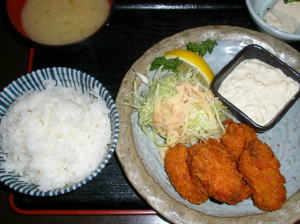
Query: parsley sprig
{"type": "Point", "coordinates": [173, 63]}
{"type": "Point", "coordinates": [202, 48]}
{"type": "Point", "coordinates": [168, 64]}
{"type": "Point", "coordinates": [289, 1]}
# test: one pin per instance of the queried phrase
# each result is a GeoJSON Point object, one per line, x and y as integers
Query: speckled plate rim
{"type": "Point", "coordinates": [131, 162]}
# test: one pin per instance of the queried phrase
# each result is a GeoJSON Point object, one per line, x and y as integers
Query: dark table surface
{"type": "Point", "coordinates": [135, 25]}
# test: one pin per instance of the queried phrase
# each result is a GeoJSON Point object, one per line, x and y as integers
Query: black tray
{"type": "Point", "coordinates": [133, 28]}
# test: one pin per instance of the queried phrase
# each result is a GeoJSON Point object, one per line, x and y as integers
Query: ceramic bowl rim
{"type": "Point", "coordinates": [114, 120]}
{"type": "Point", "coordinates": [267, 27]}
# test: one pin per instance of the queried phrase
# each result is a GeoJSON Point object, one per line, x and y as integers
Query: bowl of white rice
{"type": "Point", "coordinates": [59, 128]}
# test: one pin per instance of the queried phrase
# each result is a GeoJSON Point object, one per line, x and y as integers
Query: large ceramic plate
{"type": "Point", "coordinates": [141, 161]}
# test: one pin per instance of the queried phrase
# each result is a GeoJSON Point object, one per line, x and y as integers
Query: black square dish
{"type": "Point", "coordinates": [255, 52]}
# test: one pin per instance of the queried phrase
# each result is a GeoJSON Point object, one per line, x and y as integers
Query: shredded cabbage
{"type": "Point", "coordinates": [178, 108]}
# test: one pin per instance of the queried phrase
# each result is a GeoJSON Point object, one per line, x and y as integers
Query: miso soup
{"type": "Point", "coordinates": [59, 22]}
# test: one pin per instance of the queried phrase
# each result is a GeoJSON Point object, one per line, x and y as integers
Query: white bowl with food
{"type": "Point", "coordinates": [280, 18]}
{"type": "Point", "coordinates": [59, 128]}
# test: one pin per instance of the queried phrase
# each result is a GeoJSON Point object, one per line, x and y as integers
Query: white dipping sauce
{"type": "Point", "coordinates": [284, 16]}
{"type": "Point", "coordinates": [258, 89]}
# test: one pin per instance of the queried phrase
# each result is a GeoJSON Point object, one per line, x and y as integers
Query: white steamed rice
{"type": "Point", "coordinates": [55, 137]}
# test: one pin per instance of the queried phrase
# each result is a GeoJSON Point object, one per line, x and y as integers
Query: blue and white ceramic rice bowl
{"type": "Point", "coordinates": [66, 77]}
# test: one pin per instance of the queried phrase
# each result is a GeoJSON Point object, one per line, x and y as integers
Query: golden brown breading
{"type": "Point", "coordinates": [214, 168]}
{"type": "Point", "coordinates": [236, 137]}
{"type": "Point", "coordinates": [179, 175]}
{"type": "Point", "coordinates": [261, 171]}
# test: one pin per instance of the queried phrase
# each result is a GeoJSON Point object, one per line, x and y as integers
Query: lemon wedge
{"type": "Point", "coordinates": [194, 61]}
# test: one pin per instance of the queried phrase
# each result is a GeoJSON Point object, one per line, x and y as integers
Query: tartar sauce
{"type": "Point", "coordinates": [284, 16]}
{"type": "Point", "coordinates": [258, 89]}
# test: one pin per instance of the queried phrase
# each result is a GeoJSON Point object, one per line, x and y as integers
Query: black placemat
{"type": "Point", "coordinates": [134, 27]}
